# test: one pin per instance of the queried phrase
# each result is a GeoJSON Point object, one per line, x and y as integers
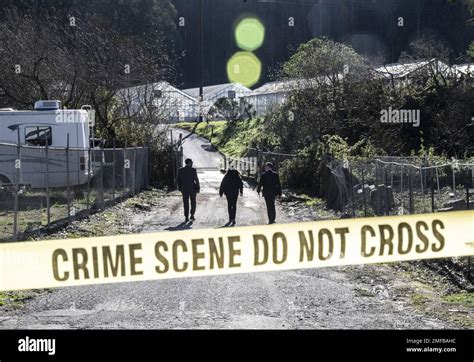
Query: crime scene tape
{"type": "Point", "coordinates": [191, 253]}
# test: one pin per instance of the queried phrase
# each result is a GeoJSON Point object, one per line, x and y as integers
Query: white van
{"type": "Point", "coordinates": [48, 125]}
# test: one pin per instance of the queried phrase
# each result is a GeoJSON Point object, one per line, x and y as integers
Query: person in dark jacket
{"type": "Point", "coordinates": [231, 186]}
{"type": "Point", "coordinates": [188, 184]}
{"type": "Point", "coordinates": [270, 183]}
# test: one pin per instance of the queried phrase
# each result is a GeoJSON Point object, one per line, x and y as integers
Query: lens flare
{"type": "Point", "coordinates": [244, 68]}
{"type": "Point", "coordinates": [249, 34]}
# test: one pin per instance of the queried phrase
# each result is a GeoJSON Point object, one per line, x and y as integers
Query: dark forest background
{"type": "Point", "coordinates": [369, 26]}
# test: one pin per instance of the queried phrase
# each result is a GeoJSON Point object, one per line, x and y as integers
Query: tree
{"type": "Point", "coordinates": [230, 110]}
{"type": "Point", "coordinates": [327, 100]}
{"type": "Point", "coordinates": [43, 57]}
{"type": "Point", "coordinates": [331, 88]}
{"type": "Point", "coordinates": [427, 47]}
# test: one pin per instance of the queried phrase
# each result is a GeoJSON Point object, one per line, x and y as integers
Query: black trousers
{"type": "Point", "coordinates": [232, 205]}
{"type": "Point", "coordinates": [186, 197]}
{"type": "Point", "coordinates": [270, 201]}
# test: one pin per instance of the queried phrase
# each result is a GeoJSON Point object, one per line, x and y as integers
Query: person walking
{"type": "Point", "coordinates": [270, 183]}
{"type": "Point", "coordinates": [231, 186]}
{"type": "Point", "coordinates": [188, 184]}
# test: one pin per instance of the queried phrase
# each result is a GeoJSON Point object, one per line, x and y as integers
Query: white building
{"type": "Point", "coordinates": [402, 73]}
{"type": "Point", "coordinates": [183, 105]}
{"type": "Point", "coordinates": [272, 94]}
{"type": "Point", "coordinates": [464, 69]}
{"type": "Point", "coordinates": [212, 93]}
{"type": "Point", "coordinates": [170, 102]}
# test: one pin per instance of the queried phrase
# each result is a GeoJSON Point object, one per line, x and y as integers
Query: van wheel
{"type": "Point", "coordinates": [7, 190]}
{"type": "Point", "coordinates": [5, 181]}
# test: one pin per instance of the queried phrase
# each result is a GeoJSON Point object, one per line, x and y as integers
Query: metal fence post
{"type": "Point", "coordinates": [388, 203]}
{"type": "Point", "coordinates": [424, 178]}
{"type": "Point", "coordinates": [259, 164]}
{"type": "Point", "coordinates": [377, 181]}
{"type": "Point", "coordinates": [432, 192]}
{"type": "Point", "coordinates": [48, 201]}
{"type": "Point", "coordinates": [124, 172]}
{"type": "Point", "coordinates": [101, 185]}
{"type": "Point", "coordinates": [472, 176]}
{"type": "Point", "coordinates": [149, 167]}
{"type": "Point", "coordinates": [422, 189]}
{"type": "Point", "coordinates": [68, 187]}
{"type": "Point", "coordinates": [114, 160]}
{"type": "Point", "coordinates": [352, 190]}
{"type": "Point", "coordinates": [437, 181]}
{"type": "Point", "coordinates": [363, 190]}
{"type": "Point", "coordinates": [391, 177]}
{"type": "Point", "coordinates": [454, 180]}
{"type": "Point", "coordinates": [89, 170]}
{"type": "Point", "coordinates": [467, 196]}
{"type": "Point", "coordinates": [140, 186]}
{"type": "Point", "coordinates": [17, 186]}
{"type": "Point", "coordinates": [134, 176]}
{"type": "Point", "coordinates": [173, 160]}
{"type": "Point", "coordinates": [173, 166]}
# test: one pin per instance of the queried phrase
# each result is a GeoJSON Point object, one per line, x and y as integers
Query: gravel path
{"type": "Point", "coordinates": [320, 298]}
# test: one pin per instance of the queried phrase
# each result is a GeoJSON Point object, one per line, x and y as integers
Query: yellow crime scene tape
{"type": "Point", "coordinates": [192, 253]}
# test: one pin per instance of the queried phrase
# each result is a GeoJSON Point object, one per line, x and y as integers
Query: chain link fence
{"type": "Point", "coordinates": [41, 187]}
{"type": "Point", "coordinates": [252, 164]}
{"type": "Point", "coordinates": [382, 186]}
{"type": "Point", "coordinates": [389, 186]}
{"type": "Point", "coordinates": [399, 186]}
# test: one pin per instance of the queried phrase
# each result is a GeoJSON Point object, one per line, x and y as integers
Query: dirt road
{"type": "Point", "coordinates": [328, 298]}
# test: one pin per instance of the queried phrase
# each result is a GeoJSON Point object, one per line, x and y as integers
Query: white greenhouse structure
{"type": "Point", "coordinates": [170, 102]}
{"type": "Point", "coordinates": [402, 73]}
{"type": "Point", "coordinates": [271, 94]}
{"type": "Point", "coordinates": [212, 93]}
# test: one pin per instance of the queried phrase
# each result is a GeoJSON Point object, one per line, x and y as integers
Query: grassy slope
{"type": "Point", "coordinates": [232, 141]}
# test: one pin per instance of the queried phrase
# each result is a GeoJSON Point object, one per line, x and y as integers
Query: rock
{"type": "Point", "coordinates": [381, 291]}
